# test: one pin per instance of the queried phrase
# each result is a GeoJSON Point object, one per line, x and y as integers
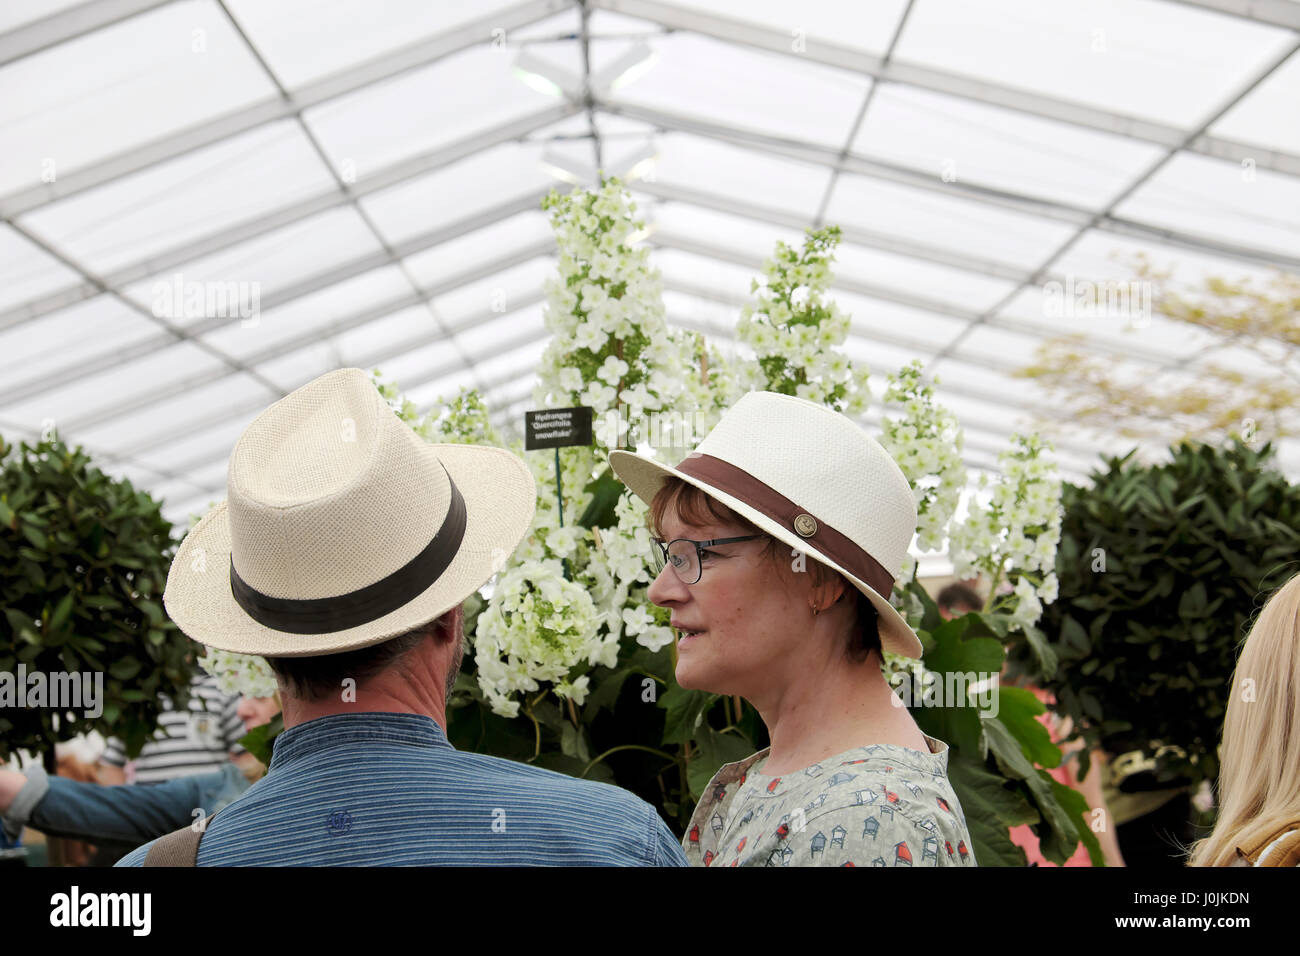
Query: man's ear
{"type": "Point", "coordinates": [451, 625]}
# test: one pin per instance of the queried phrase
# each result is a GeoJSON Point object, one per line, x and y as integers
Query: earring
{"type": "Point", "coordinates": [815, 610]}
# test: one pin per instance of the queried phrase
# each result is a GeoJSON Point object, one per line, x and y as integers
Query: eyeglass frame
{"type": "Point", "coordinates": [699, 549]}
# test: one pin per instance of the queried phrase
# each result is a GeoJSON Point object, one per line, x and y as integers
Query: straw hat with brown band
{"type": "Point", "coordinates": [811, 478]}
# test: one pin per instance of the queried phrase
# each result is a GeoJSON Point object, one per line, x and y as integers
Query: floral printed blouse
{"type": "Point", "coordinates": [881, 805]}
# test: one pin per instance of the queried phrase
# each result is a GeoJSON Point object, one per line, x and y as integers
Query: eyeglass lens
{"type": "Point", "coordinates": [682, 556]}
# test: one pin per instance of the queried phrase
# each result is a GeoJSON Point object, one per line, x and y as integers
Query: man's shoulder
{"type": "Point", "coordinates": [528, 777]}
{"type": "Point", "coordinates": [136, 856]}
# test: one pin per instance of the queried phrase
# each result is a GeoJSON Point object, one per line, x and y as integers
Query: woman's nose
{"type": "Point", "coordinates": [667, 587]}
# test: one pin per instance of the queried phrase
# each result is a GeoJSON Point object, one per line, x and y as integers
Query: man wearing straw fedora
{"type": "Point", "coordinates": [342, 554]}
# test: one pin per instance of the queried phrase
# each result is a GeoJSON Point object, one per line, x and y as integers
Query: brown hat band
{"type": "Point", "coordinates": [741, 485]}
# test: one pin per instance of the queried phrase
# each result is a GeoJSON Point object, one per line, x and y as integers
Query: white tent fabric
{"type": "Point", "coordinates": [372, 174]}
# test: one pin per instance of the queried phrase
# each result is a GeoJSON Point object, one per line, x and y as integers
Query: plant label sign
{"type": "Point", "coordinates": [557, 427]}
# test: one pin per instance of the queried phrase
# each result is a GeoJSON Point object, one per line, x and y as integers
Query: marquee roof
{"type": "Point", "coordinates": [375, 172]}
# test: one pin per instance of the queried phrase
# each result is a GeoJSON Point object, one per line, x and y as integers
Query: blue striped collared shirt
{"type": "Point", "coordinates": [380, 789]}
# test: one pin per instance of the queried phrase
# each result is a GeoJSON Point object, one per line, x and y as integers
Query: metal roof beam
{"type": "Point", "coordinates": [1273, 13]}
{"type": "Point", "coordinates": [883, 242]}
{"type": "Point", "coordinates": [1261, 75]}
{"type": "Point", "coordinates": [387, 65]}
{"type": "Point", "coordinates": [407, 169]}
{"type": "Point", "coordinates": [39, 384]}
{"type": "Point", "coordinates": [108, 413]}
{"type": "Point", "coordinates": [207, 459]}
{"type": "Point", "coordinates": [911, 301]}
{"type": "Point", "coordinates": [38, 35]}
{"type": "Point", "coordinates": [818, 155]}
{"type": "Point", "coordinates": [816, 50]}
{"type": "Point", "coordinates": [346, 324]}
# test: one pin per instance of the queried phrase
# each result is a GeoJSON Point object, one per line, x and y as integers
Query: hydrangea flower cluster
{"type": "Point", "coordinates": [1014, 537]}
{"type": "Point", "coordinates": [536, 627]}
{"type": "Point", "coordinates": [796, 332]}
{"type": "Point", "coordinates": [610, 347]}
{"type": "Point", "coordinates": [611, 350]}
{"type": "Point", "coordinates": [242, 675]}
{"type": "Point", "coordinates": [927, 445]}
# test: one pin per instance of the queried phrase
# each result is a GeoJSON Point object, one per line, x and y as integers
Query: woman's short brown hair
{"type": "Point", "coordinates": [698, 508]}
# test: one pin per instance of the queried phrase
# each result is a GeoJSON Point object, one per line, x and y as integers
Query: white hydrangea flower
{"type": "Point", "coordinates": [637, 619]}
{"type": "Point", "coordinates": [1017, 532]}
{"type": "Point", "coordinates": [536, 627]}
{"type": "Point", "coordinates": [613, 370]}
{"type": "Point", "coordinates": [927, 445]}
{"type": "Point", "coordinates": [1028, 608]}
{"type": "Point", "coordinates": [571, 380]}
{"type": "Point", "coordinates": [243, 675]}
{"type": "Point", "coordinates": [563, 541]}
{"type": "Point", "coordinates": [656, 637]}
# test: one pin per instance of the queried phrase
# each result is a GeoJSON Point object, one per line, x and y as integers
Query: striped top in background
{"type": "Point", "coordinates": [382, 789]}
{"type": "Point", "coordinates": [198, 740]}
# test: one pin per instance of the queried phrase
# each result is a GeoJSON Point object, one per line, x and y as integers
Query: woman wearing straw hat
{"type": "Point", "coordinates": [780, 538]}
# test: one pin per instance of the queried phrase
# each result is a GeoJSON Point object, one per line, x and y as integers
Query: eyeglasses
{"type": "Point", "coordinates": [686, 556]}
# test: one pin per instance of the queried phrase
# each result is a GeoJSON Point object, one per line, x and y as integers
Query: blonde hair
{"type": "Point", "coordinates": [1259, 770]}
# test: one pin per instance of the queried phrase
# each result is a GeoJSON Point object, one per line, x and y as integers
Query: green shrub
{"type": "Point", "coordinates": [1161, 569]}
{"type": "Point", "coordinates": [83, 561]}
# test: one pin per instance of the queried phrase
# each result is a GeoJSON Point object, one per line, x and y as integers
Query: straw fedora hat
{"type": "Point", "coordinates": [811, 478]}
{"type": "Point", "coordinates": [343, 528]}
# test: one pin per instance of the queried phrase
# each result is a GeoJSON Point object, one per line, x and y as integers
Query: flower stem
{"type": "Point", "coordinates": [993, 589]}
{"type": "Point", "coordinates": [666, 756]}
{"type": "Point", "coordinates": [537, 728]}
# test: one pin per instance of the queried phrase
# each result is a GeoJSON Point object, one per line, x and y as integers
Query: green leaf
{"type": "Point", "coordinates": [951, 653]}
{"type": "Point", "coordinates": [604, 492]}
{"type": "Point", "coordinates": [686, 710]}
{"type": "Point", "coordinates": [573, 743]}
{"type": "Point", "coordinates": [1060, 837]}
{"type": "Point", "coordinates": [61, 612]}
{"type": "Point", "coordinates": [1018, 710]}
{"type": "Point", "coordinates": [604, 695]}
{"type": "Point", "coordinates": [1076, 806]}
{"type": "Point", "coordinates": [714, 750]}
{"type": "Point", "coordinates": [1043, 651]}
{"type": "Point", "coordinates": [124, 668]}
{"type": "Point", "coordinates": [259, 740]}
{"type": "Point", "coordinates": [35, 536]}
{"type": "Point", "coordinates": [989, 796]}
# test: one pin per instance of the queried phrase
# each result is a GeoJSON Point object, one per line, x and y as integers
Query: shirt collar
{"type": "Point", "coordinates": [938, 750]}
{"type": "Point", "coordinates": [301, 740]}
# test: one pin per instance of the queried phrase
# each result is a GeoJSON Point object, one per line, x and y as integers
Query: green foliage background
{"type": "Point", "coordinates": [1147, 647]}
{"type": "Point", "coordinates": [83, 565]}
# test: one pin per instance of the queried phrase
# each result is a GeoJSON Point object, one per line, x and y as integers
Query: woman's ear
{"type": "Point", "coordinates": [829, 592]}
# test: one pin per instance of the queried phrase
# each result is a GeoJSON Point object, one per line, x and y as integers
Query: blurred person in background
{"type": "Point", "coordinates": [197, 740]}
{"type": "Point", "coordinates": [956, 600]}
{"type": "Point", "coordinates": [80, 809]}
